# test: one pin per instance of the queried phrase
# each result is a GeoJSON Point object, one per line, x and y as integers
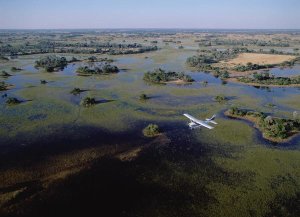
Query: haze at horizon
{"type": "Point", "coordinates": [215, 14]}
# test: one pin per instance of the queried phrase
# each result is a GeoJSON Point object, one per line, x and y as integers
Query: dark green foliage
{"type": "Point", "coordinates": [44, 82]}
{"type": "Point", "coordinates": [207, 57]}
{"type": "Point", "coordinates": [88, 102]}
{"type": "Point", "coordinates": [151, 130]}
{"type": "Point", "coordinates": [221, 74]}
{"type": "Point", "coordinates": [92, 59]}
{"type": "Point", "coordinates": [76, 91]}
{"type": "Point", "coordinates": [3, 86]}
{"type": "Point", "coordinates": [271, 126]}
{"type": "Point", "coordinates": [4, 74]}
{"type": "Point", "coordinates": [251, 67]}
{"type": "Point", "coordinates": [161, 76]}
{"type": "Point", "coordinates": [221, 98]}
{"type": "Point", "coordinates": [51, 63]}
{"type": "Point", "coordinates": [15, 69]}
{"type": "Point", "coordinates": [3, 58]}
{"type": "Point", "coordinates": [144, 97]}
{"type": "Point", "coordinates": [103, 69]}
{"type": "Point", "coordinates": [12, 101]}
{"type": "Point", "coordinates": [267, 79]}
{"type": "Point", "coordinates": [73, 59]}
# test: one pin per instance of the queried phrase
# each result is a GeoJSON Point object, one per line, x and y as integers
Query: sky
{"type": "Point", "coordinates": [212, 14]}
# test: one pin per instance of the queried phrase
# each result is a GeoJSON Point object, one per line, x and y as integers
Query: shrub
{"type": "Point", "coordinates": [144, 97]}
{"type": "Point", "coordinates": [76, 91]}
{"type": "Point", "coordinates": [151, 130]}
{"type": "Point", "coordinates": [88, 102]}
{"type": "Point", "coordinates": [4, 74]}
{"type": "Point", "coordinates": [12, 101]}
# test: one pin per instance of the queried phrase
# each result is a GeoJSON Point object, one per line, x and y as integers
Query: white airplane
{"type": "Point", "coordinates": [196, 123]}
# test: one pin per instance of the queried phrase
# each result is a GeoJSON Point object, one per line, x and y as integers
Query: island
{"type": "Point", "coordinates": [274, 129]}
{"type": "Point", "coordinates": [98, 70]}
{"type": "Point", "coordinates": [160, 76]}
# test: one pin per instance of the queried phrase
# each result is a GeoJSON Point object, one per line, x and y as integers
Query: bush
{"type": "Point", "coordinates": [12, 101]}
{"type": "Point", "coordinates": [220, 98]}
{"type": "Point", "coordinates": [161, 76]}
{"type": "Point", "coordinates": [3, 86]}
{"type": "Point", "coordinates": [44, 82]}
{"type": "Point", "coordinates": [151, 130]}
{"type": "Point", "coordinates": [88, 102]}
{"type": "Point", "coordinates": [15, 69]}
{"type": "Point", "coordinates": [4, 74]}
{"type": "Point", "coordinates": [51, 63]}
{"type": "Point", "coordinates": [76, 91]}
{"type": "Point", "coordinates": [104, 69]}
{"type": "Point", "coordinates": [144, 97]}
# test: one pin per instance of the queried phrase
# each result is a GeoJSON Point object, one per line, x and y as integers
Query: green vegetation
{"type": "Point", "coordinates": [44, 82]}
{"type": "Point", "coordinates": [221, 98]}
{"type": "Point", "coordinates": [88, 102]}
{"type": "Point", "coordinates": [76, 91]}
{"type": "Point", "coordinates": [267, 79]}
{"type": "Point", "coordinates": [151, 130]}
{"type": "Point", "coordinates": [144, 97]}
{"type": "Point", "coordinates": [251, 67]}
{"type": "Point", "coordinates": [207, 57]}
{"type": "Point", "coordinates": [15, 69]}
{"type": "Point", "coordinates": [221, 74]}
{"type": "Point", "coordinates": [103, 69]}
{"type": "Point", "coordinates": [3, 86]}
{"type": "Point", "coordinates": [12, 101]}
{"type": "Point", "coordinates": [161, 76]}
{"type": "Point", "coordinates": [273, 128]}
{"type": "Point", "coordinates": [4, 74]}
{"type": "Point", "coordinates": [51, 63]}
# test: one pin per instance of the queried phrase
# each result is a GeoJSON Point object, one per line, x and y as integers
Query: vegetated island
{"type": "Point", "coordinates": [239, 64]}
{"type": "Point", "coordinates": [98, 70]}
{"type": "Point", "coordinates": [274, 129]}
{"type": "Point", "coordinates": [4, 86]}
{"type": "Point", "coordinates": [51, 63]}
{"type": "Point", "coordinates": [160, 76]}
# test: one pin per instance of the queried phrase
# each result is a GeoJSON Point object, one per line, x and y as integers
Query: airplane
{"type": "Point", "coordinates": [196, 123]}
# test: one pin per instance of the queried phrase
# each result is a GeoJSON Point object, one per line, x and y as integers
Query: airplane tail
{"type": "Point", "coordinates": [211, 120]}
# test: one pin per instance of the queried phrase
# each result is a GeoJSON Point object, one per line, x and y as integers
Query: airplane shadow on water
{"type": "Point", "coordinates": [144, 186]}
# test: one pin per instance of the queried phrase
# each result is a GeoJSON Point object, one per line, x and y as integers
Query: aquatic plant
{"type": "Point", "coordinates": [151, 130]}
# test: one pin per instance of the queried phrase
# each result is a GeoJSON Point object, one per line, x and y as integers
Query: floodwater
{"type": "Point", "coordinates": [206, 164]}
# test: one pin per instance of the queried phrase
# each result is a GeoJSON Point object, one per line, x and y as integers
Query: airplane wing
{"type": "Point", "coordinates": [195, 120]}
